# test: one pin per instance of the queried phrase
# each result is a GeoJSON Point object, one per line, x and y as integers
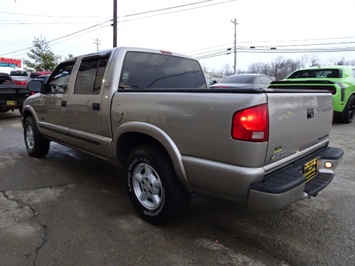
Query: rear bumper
{"type": "Point", "coordinates": [11, 104]}
{"type": "Point", "coordinates": [289, 185]}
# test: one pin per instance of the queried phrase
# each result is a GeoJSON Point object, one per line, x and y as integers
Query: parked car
{"type": "Point", "coordinates": [210, 81]}
{"type": "Point", "coordinates": [245, 81]}
{"type": "Point", "coordinates": [39, 73]}
{"type": "Point", "coordinates": [12, 95]}
{"type": "Point", "coordinates": [339, 80]}
{"type": "Point", "coordinates": [44, 78]}
{"type": "Point", "coordinates": [20, 77]}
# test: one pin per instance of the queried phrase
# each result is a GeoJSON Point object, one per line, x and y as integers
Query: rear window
{"type": "Point", "coordinates": [5, 79]}
{"type": "Point", "coordinates": [317, 73]}
{"type": "Point", "coordinates": [143, 70]}
{"type": "Point", "coordinates": [18, 73]}
{"type": "Point", "coordinates": [244, 79]}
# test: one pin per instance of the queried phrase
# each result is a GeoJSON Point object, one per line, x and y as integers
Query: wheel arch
{"type": "Point", "coordinates": [29, 111]}
{"type": "Point", "coordinates": [134, 134]}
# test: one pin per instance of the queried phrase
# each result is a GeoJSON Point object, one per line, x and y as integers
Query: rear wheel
{"type": "Point", "coordinates": [153, 187]}
{"type": "Point", "coordinates": [348, 113]}
{"type": "Point", "coordinates": [36, 144]}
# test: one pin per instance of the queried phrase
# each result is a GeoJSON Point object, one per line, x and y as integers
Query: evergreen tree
{"type": "Point", "coordinates": [42, 58]}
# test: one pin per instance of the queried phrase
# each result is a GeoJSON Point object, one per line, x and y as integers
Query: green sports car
{"type": "Point", "coordinates": [339, 80]}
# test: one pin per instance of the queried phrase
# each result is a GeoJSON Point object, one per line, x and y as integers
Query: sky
{"type": "Point", "coordinates": [202, 29]}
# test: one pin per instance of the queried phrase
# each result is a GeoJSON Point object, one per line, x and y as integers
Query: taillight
{"type": "Point", "coordinates": [20, 82]}
{"type": "Point", "coordinates": [251, 124]}
{"type": "Point", "coordinates": [220, 87]}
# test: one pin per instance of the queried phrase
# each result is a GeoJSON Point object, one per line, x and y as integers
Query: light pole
{"type": "Point", "coordinates": [114, 24]}
{"type": "Point", "coordinates": [97, 42]}
{"type": "Point", "coordinates": [235, 44]}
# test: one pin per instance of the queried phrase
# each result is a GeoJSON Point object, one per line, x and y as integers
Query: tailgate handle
{"type": "Point", "coordinates": [310, 113]}
{"type": "Point", "coordinates": [63, 103]}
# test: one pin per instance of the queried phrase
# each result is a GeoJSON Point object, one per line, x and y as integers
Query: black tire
{"type": "Point", "coordinates": [153, 187]}
{"type": "Point", "coordinates": [348, 113]}
{"type": "Point", "coordinates": [36, 144]}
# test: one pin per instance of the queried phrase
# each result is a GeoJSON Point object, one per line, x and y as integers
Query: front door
{"type": "Point", "coordinates": [51, 106]}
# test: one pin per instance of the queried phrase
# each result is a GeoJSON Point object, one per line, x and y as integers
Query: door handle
{"type": "Point", "coordinates": [96, 107]}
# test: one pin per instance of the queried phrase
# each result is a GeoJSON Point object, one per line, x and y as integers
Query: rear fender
{"type": "Point", "coordinates": [159, 136]}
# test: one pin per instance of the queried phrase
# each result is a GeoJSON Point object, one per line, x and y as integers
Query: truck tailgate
{"type": "Point", "coordinates": [297, 121]}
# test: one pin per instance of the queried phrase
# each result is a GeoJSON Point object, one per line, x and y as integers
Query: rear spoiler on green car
{"type": "Point", "coordinates": [306, 85]}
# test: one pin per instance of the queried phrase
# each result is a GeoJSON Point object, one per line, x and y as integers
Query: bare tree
{"type": "Point", "coordinates": [314, 60]}
{"type": "Point", "coordinates": [204, 68]}
{"type": "Point", "coordinates": [280, 67]}
{"type": "Point", "coordinates": [227, 70]}
{"type": "Point", "coordinates": [276, 67]}
{"type": "Point", "coordinates": [260, 68]}
{"type": "Point", "coordinates": [341, 61]}
{"type": "Point", "coordinates": [302, 61]}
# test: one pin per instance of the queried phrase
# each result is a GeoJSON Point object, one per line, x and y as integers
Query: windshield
{"type": "Point", "coordinates": [246, 79]}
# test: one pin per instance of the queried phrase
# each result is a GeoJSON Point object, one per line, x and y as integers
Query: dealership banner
{"type": "Point", "coordinates": [10, 62]}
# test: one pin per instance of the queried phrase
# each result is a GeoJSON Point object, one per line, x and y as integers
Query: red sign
{"type": "Point", "coordinates": [10, 62]}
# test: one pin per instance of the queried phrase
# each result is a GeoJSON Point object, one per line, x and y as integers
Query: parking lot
{"type": "Point", "coordinates": [72, 209]}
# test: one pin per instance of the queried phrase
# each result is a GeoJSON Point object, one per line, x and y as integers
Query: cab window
{"type": "Point", "coordinates": [90, 75]}
{"type": "Point", "coordinates": [59, 81]}
{"type": "Point", "coordinates": [144, 70]}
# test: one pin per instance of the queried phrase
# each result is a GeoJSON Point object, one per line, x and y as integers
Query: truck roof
{"type": "Point", "coordinates": [131, 48]}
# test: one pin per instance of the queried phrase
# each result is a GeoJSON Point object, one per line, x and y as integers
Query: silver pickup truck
{"type": "Point", "coordinates": [151, 112]}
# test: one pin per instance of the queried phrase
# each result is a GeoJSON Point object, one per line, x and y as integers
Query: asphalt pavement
{"type": "Point", "coordinates": [72, 209]}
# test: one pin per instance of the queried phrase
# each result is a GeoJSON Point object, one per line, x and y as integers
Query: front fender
{"type": "Point", "coordinates": [27, 111]}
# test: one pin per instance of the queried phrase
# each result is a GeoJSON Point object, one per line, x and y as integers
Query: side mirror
{"type": "Point", "coordinates": [35, 86]}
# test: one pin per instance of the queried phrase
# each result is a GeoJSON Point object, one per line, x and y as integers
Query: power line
{"type": "Point", "coordinates": [45, 16]}
{"type": "Point", "coordinates": [177, 11]}
{"type": "Point", "coordinates": [62, 37]}
{"type": "Point", "coordinates": [130, 15]}
{"type": "Point", "coordinates": [167, 8]}
{"type": "Point", "coordinates": [278, 41]}
{"type": "Point", "coordinates": [206, 54]}
{"type": "Point", "coordinates": [283, 51]}
{"type": "Point", "coordinates": [54, 22]}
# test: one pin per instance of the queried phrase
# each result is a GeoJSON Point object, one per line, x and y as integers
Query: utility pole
{"type": "Point", "coordinates": [97, 42]}
{"type": "Point", "coordinates": [235, 44]}
{"type": "Point", "coordinates": [114, 24]}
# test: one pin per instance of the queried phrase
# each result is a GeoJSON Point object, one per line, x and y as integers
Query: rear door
{"type": "Point", "coordinates": [84, 106]}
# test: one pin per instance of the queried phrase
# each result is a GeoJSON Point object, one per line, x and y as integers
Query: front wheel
{"type": "Point", "coordinates": [153, 187]}
{"type": "Point", "coordinates": [348, 113]}
{"type": "Point", "coordinates": [36, 144]}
